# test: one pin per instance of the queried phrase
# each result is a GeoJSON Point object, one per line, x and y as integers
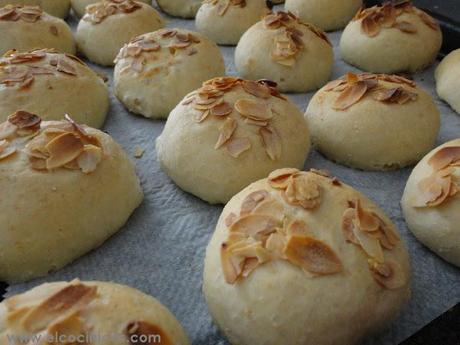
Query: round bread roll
{"type": "Point", "coordinates": [447, 77]}
{"type": "Point", "coordinates": [296, 55]}
{"type": "Point", "coordinates": [106, 312]}
{"type": "Point", "coordinates": [27, 27]}
{"type": "Point", "coordinates": [329, 15]}
{"type": "Point", "coordinates": [229, 133]}
{"type": "Point", "coordinates": [78, 6]}
{"type": "Point", "coordinates": [180, 8]}
{"type": "Point", "coordinates": [373, 122]}
{"type": "Point", "coordinates": [69, 187]}
{"type": "Point", "coordinates": [46, 82]}
{"type": "Point", "coordinates": [156, 70]}
{"type": "Point", "coordinates": [108, 25]}
{"type": "Point", "coordinates": [298, 252]}
{"type": "Point", "coordinates": [391, 38]}
{"type": "Point", "coordinates": [431, 201]}
{"type": "Point", "coordinates": [225, 21]}
{"type": "Point", "coordinates": [56, 8]}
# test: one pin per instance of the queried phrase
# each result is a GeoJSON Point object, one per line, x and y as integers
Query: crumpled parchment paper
{"type": "Point", "coordinates": [161, 249]}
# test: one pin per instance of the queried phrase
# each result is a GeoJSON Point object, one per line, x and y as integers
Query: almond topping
{"type": "Point", "coordinates": [71, 298]}
{"type": "Point", "coordinates": [253, 109]}
{"type": "Point", "coordinates": [312, 255]}
{"type": "Point", "coordinates": [271, 142]}
{"type": "Point", "coordinates": [389, 274]}
{"type": "Point", "coordinates": [63, 149]}
{"type": "Point", "coordinates": [236, 146]}
{"type": "Point", "coordinates": [89, 159]}
{"type": "Point", "coordinates": [221, 109]}
{"type": "Point", "coordinates": [444, 157]}
{"type": "Point", "coordinates": [252, 200]}
{"type": "Point", "coordinates": [24, 120]}
{"type": "Point", "coordinates": [279, 178]}
{"type": "Point", "coordinates": [350, 95]}
{"type": "Point", "coordinates": [226, 132]}
{"type": "Point", "coordinates": [254, 225]}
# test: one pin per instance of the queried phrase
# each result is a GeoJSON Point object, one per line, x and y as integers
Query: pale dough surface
{"type": "Point", "coordinates": [166, 78]}
{"type": "Point", "coordinates": [228, 28]}
{"type": "Point", "coordinates": [392, 50]}
{"type": "Point", "coordinates": [447, 76]}
{"type": "Point", "coordinates": [185, 149]}
{"type": "Point", "coordinates": [436, 227]}
{"type": "Point", "coordinates": [108, 314]}
{"type": "Point", "coordinates": [372, 135]}
{"type": "Point", "coordinates": [101, 42]}
{"type": "Point", "coordinates": [85, 97]}
{"type": "Point", "coordinates": [180, 8]}
{"type": "Point", "coordinates": [281, 304]}
{"type": "Point", "coordinates": [57, 8]}
{"type": "Point", "coordinates": [51, 218]}
{"type": "Point", "coordinates": [313, 65]}
{"type": "Point", "coordinates": [46, 32]}
{"type": "Point", "coordinates": [329, 15]}
{"type": "Point", "coordinates": [78, 6]}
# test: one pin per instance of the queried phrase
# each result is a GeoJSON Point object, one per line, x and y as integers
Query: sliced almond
{"type": "Point", "coordinates": [445, 157]}
{"type": "Point", "coordinates": [365, 220]}
{"type": "Point", "coordinates": [252, 200]}
{"type": "Point", "coordinates": [89, 159]}
{"type": "Point", "coordinates": [270, 207]}
{"type": "Point", "coordinates": [389, 274]}
{"type": "Point", "coordinates": [271, 141]}
{"type": "Point", "coordinates": [232, 265]}
{"type": "Point", "coordinates": [298, 228]}
{"type": "Point", "coordinates": [279, 178]}
{"type": "Point", "coordinates": [312, 255]}
{"type": "Point", "coordinates": [256, 110]}
{"type": "Point", "coordinates": [63, 149]}
{"type": "Point", "coordinates": [350, 95]}
{"type": "Point", "coordinates": [370, 244]}
{"type": "Point", "coordinates": [236, 146]}
{"type": "Point", "coordinates": [275, 245]}
{"type": "Point", "coordinates": [7, 130]}
{"type": "Point", "coordinates": [226, 132]}
{"type": "Point", "coordinates": [254, 225]}
{"type": "Point", "coordinates": [24, 120]}
{"type": "Point", "coordinates": [222, 109]}
{"type": "Point", "coordinates": [405, 27]}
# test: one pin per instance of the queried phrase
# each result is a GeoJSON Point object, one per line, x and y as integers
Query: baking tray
{"type": "Point", "coordinates": [161, 249]}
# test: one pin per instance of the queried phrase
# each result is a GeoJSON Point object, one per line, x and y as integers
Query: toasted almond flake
{"type": "Point", "coordinates": [63, 149]}
{"type": "Point", "coordinates": [366, 221]}
{"type": "Point", "coordinates": [389, 275]}
{"type": "Point", "coordinates": [254, 225]}
{"type": "Point", "coordinates": [444, 157]}
{"type": "Point", "coordinates": [7, 152]}
{"type": "Point", "coordinates": [73, 297]}
{"type": "Point", "coordinates": [370, 27]}
{"type": "Point", "coordinates": [7, 130]}
{"type": "Point", "coordinates": [232, 265]}
{"type": "Point", "coordinates": [405, 27]}
{"type": "Point", "coordinates": [256, 89]}
{"type": "Point", "coordinates": [202, 116]}
{"type": "Point", "coordinates": [255, 110]}
{"type": "Point", "coordinates": [250, 264]}
{"type": "Point", "coordinates": [236, 146]}
{"type": "Point", "coordinates": [298, 228]}
{"type": "Point", "coordinates": [70, 325]}
{"type": "Point", "coordinates": [434, 189]}
{"type": "Point", "coordinates": [271, 142]}
{"type": "Point", "coordinates": [275, 245]}
{"type": "Point", "coordinates": [370, 244]}
{"type": "Point", "coordinates": [230, 219]}
{"type": "Point", "coordinates": [350, 95]}
{"type": "Point", "coordinates": [279, 178]}
{"type": "Point", "coordinates": [270, 207]}
{"type": "Point", "coordinates": [23, 119]}
{"type": "Point", "coordinates": [312, 255]}
{"type": "Point", "coordinates": [88, 160]}
{"type": "Point", "coordinates": [348, 226]}
{"type": "Point", "coordinates": [136, 331]}
{"type": "Point", "coordinates": [226, 132]}
{"type": "Point", "coordinates": [252, 200]}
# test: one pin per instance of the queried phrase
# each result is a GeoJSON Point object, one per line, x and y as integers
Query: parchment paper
{"type": "Point", "coordinates": [161, 249]}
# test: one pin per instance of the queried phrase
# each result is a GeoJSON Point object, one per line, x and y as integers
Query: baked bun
{"type": "Point", "coordinates": [296, 55]}
{"type": "Point", "coordinates": [108, 25]}
{"type": "Point", "coordinates": [298, 253]}
{"type": "Point", "coordinates": [27, 27]}
{"type": "Point", "coordinates": [180, 8]}
{"type": "Point", "coordinates": [225, 21]}
{"type": "Point", "coordinates": [229, 133]}
{"type": "Point", "coordinates": [156, 70]}
{"type": "Point", "coordinates": [46, 82]}
{"type": "Point", "coordinates": [78, 6]}
{"type": "Point", "coordinates": [329, 15]}
{"type": "Point", "coordinates": [85, 310]}
{"type": "Point", "coordinates": [56, 8]}
{"type": "Point", "coordinates": [391, 38]}
{"type": "Point", "coordinates": [373, 121]}
{"type": "Point", "coordinates": [69, 187]}
{"type": "Point", "coordinates": [447, 77]}
{"type": "Point", "coordinates": [431, 201]}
